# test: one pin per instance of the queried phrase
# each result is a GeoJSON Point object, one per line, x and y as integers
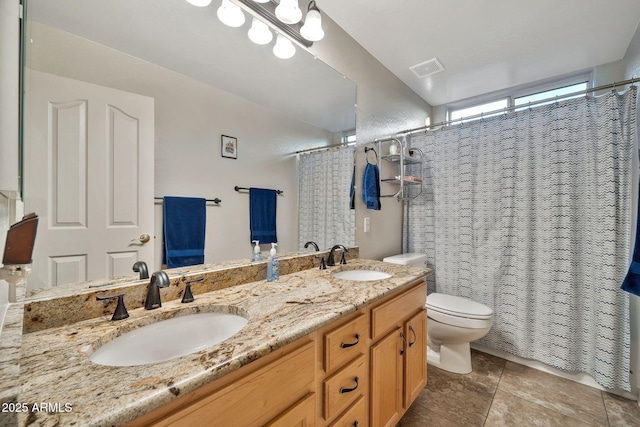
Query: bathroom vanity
{"type": "Point", "coordinates": [316, 349]}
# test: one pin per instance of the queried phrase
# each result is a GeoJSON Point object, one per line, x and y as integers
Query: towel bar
{"type": "Point", "coordinates": [216, 200]}
{"type": "Point", "coordinates": [247, 189]}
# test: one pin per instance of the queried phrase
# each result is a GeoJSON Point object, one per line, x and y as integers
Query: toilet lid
{"type": "Point", "coordinates": [458, 306]}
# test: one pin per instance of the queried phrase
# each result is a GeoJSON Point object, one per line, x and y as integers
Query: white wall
{"type": "Point", "coordinates": [190, 118]}
{"type": "Point", "coordinates": [385, 106]}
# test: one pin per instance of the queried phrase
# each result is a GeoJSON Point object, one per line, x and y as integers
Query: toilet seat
{"type": "Point", "coordinates": [457, 311]}
{"type": "Point", "coordinates": [462, 322]}
{"type": "Point", "coordinates": [457, 306]}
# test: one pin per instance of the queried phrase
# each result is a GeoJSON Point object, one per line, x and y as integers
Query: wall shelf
{"type": "Point", "coordinates": [405, 157]}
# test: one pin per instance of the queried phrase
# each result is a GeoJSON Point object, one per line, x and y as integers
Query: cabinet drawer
{"type": "Point", "coordinates": [345, 342]}
{"type": "Point", "coordinates": [391, 313]}
{"type": "Point", "coordinates": [355, 416]}
{"type": "Point", "coordinates": [344, 387]}
{"type": "Point", "coordinates": [257, 398]}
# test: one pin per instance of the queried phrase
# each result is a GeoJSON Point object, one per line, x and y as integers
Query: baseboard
{"type": "Point", "coordinates": [581, 378]}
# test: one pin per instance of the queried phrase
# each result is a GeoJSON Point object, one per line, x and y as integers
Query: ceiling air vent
{"type": "Point", "coordinates": [427, 68]}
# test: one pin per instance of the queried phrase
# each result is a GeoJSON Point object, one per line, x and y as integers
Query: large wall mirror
{"type": "Point", "coordinates": [126, 101]}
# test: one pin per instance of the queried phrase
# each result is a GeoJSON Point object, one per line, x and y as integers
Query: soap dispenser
{"type": "Point", "coordinates": [272, 265]}
{"type": "Point", "coordinates": [257, 255]}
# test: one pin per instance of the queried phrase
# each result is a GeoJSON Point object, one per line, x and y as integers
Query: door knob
{"type": "Point", "coordinates": [144, 238]}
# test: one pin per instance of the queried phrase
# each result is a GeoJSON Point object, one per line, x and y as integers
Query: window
{"type": "Point", "coordinates": [464, 111]}
{"type": "Point", "coordinates": [559, 92]}
{"type": "Point", "coordinates": [349, 137]}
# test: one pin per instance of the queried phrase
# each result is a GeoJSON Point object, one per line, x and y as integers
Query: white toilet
{"type": "Point", "coordinates": [453, 322]}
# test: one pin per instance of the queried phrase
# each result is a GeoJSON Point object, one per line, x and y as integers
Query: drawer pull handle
{"type": "Point", "coordinates": [349, 390]}
{"type": "Point", "coordinates": [404, 343]}
{"type": "Point", "coordinates": [347, 345]}
{"type": "Point", "coordinates": [415, 337]}
{"type": "Point", "coordinates": [356, 424]}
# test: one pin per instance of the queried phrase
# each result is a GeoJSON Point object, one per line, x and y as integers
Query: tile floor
{"type": "Point", "coordinates": [502, 393]}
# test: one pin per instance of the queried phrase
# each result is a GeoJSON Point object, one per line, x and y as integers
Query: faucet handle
{"type": "Point", "coordinates": [323, 264]}
{"type": "Point", "coordinates": [188, 295]}
{"type": "Point", "coordinates": [121, 310]}
{"type": "Point", "coordinates": [343, 260]}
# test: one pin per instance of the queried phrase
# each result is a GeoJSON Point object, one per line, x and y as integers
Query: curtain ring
{"type": "Point", "coordinates": [614, 87]}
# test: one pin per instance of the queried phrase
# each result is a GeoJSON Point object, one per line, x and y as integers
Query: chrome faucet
{"type": "Point", "coordinates": [159, 279]}
{"type": "Point", "coordinates": [141, 267]}
{"type": "Point", "coordinates": [330, 261]}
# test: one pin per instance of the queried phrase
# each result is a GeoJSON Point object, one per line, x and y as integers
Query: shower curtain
{"type": "Point", "coordinates": [530, 214]}
{"type": "Point", "coordinates": [324, 184]}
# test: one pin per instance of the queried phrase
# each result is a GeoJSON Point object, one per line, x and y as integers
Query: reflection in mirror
{"type": "Point", "coordinates": [326, 191]}
{"type": "Point", "coordinates": [127, 101]}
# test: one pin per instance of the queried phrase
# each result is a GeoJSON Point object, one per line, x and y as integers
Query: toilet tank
{"type": "Point", "coordinates": [412, 259]}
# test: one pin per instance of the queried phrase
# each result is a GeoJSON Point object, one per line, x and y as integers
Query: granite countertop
{"type": "Point", "coordinates": [55, 369]}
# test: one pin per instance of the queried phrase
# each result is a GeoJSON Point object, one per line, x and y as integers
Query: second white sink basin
{"type": "Point", "coordinates": [361, 275]}
{"type": "Point", "coordinates": [168, 339]}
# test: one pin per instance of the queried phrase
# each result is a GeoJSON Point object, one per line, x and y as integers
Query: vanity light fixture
{"type": "Point", "coordinates": [200, 3]}
{"type": "Point", "coordinates": [283, 18]}
{"type": "Point", "coordinates": [312, 28]}
{"type": "Point", "coordinates": [259, 33]}
{"type": "Point", "coordinates": [230, 14]}
{"type": "Point", "coordinates": [289, 12]}
{"type": "Point", "coordinates": [283, 48]}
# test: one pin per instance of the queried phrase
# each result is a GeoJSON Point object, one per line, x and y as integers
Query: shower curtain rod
{"type": "Point", "coordinates": [326, 147]}
{"type": "Point", "coordinates": [613, 86]}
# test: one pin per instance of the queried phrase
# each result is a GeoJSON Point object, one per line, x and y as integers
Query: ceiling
{"type": "Point", "coordinates": [487, 45]}
{"type": "Point", "coordinates": [192, 41]}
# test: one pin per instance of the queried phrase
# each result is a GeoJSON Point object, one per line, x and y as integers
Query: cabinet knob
{"type": "Point", "coordinates": [415, 337]}
{"type": "Point", "coordinates": [347, 345]}
{"type": "Point", "coordinates": [404, 343]}
{"type": "Point", "coordinates": [349, 390]}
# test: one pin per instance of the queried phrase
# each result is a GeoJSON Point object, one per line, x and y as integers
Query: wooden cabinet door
{"type": "Point", "coordinates": [302, 414]}
{"type": "Point", "coordinates": [386, 380]}
{"type": "Point", "coordinates": [415, 360]}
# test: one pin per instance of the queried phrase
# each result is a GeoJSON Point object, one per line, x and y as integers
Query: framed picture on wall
{"type": "Point", "coordinates": [229, 147]}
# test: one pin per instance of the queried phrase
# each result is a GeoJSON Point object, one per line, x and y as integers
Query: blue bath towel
{"type": "Point", "coordinates": [184, 231]}
{"type": "Point", "coordinates": [371, 187]}
{"type": "Point", "coordinates": [631, 282]}
{"type": "Point", "coordinates": [262, 215]}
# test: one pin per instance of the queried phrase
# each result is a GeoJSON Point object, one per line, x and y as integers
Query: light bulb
{"type": "Point", "coordinates": [259, 33]}
{"type": "Point", "coordinates": [230, 14]}
{"type": "Point", "coordinates": [283, 48]}
{"type": "Point", "coordinates": [312, 28]}
{"type": "Point", "coordinates": [289, 12]}
{"type": "Point", "coordinates": [200, 3]}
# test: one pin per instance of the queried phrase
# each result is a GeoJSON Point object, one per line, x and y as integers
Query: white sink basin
{"type": "Point", "coordinates": [168, 339]}
{"type": "Point", "coordinates": [361, 275]}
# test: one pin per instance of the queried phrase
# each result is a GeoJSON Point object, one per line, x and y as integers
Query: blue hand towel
{"type": "Point", "coordinates": [262, 215]}
{"type": "Point", "coordinates": [631, 282]}
{"type": "Point", "coordinates": [184, 231]}
{"type": "Point", "coordinates": [371, 187]}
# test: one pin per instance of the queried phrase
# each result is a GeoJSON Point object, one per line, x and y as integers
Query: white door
{"type": "Point", "coordinates": [89, 176]}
